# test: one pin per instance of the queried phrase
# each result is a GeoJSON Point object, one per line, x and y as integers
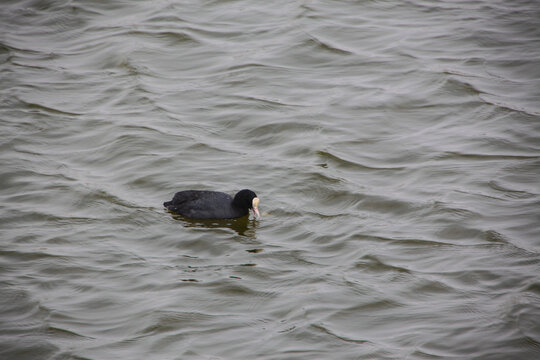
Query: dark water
{"type": "Point", "coordinates": [395, 146]}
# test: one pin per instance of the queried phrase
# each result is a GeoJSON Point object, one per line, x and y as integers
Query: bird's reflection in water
{"type": "Point", "coordinates": [243, 226]}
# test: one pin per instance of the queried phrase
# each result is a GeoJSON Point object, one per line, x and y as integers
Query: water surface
{"type": "Point", "coordinates": [395, 146]}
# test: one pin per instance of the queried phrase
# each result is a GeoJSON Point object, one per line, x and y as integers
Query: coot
{"type": "Point", "coordinates": [200, 204]}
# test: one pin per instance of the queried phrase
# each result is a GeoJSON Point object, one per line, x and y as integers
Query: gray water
{"type": "Point", "coordinates": [395, 147]}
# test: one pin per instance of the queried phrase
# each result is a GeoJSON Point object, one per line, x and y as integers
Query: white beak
{"type": "Point", "coordinates": [255, 208]}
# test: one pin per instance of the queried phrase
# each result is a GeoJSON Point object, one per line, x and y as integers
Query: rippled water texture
{"type": "Point", "coordinates": [395, 146]}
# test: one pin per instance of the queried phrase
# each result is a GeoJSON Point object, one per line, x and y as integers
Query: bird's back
{"type": "Point", "coordinates": [202, 204]}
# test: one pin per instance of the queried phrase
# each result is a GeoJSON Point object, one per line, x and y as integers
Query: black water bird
{"type": "Point", "coordinates": [202, 204]}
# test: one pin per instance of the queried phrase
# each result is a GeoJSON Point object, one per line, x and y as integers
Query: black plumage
{"type": "Point", "coordinates": [203, 204]}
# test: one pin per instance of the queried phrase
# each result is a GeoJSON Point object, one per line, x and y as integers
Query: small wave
{"type": "Point", "coordinates": [490, 99]}
{"type": "Point", "coordinates": [328, 45]}
{"type": "Point", "coordinates": [372, 263]}
{"type": "Point", "coordinates": [342, 160]}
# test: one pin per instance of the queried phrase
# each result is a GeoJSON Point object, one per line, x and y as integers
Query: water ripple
{"type": "Point", "coordinates": [394, 146]}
